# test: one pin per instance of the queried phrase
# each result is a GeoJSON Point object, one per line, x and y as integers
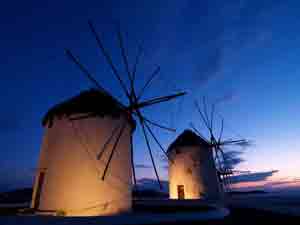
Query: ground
{"type": "Point", "coordinates": [237, 216]}
{"type": "Point", "coordinates": [245, 209]}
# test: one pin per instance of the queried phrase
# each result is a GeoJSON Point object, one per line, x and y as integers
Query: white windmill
{"type": "Point", "coordinates": [199, 166]}
{"type": "Point", "coordinates": [86, 161]}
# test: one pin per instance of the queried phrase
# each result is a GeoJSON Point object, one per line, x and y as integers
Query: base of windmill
{"type": "Point", "coordinates": [132, 218]}
{"type": "Point", "coordinates": [144, 212]}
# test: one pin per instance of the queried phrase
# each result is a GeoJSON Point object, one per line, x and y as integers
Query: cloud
{"type": "Point", "coordinates": [247, 27]}
{"type": "Point", "coordinates": [247, 178]}
{"type": "Point", "coordinates": [200, 38]}
{"type": "Point", "coordinates": [143, 166]}
{"type": "Point", "coordinates": [233, 158]}
{"type": "Point", "coordinates": [237, 24]}
{"type": "Point", "coordinates": [210, 66]}
{"type": "Point", "coordinates": [227, 98]}
{"type": "Point", "coordinates": [252, 177]}
{"type": "Point", "coordinates": [284, 182]}
{"type": "Point", "coordinates": [265, 182]}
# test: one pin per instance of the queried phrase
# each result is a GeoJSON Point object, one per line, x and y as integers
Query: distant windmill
{"type": "Point", "coordinates": [64, 182]}
{"type": "Point", "coordinates": [217, 143]}
{"type": "Point", "coordinates": [192, 172]}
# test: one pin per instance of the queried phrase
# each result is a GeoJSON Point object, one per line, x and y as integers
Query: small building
{"type": "Point", "coordinates": [192, 171]}
{"type": "Point", "coordinates": [68, 179]}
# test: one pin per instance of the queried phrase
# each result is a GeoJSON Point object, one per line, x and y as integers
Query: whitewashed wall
{"type": "Point", "coordinates": [73, 181]}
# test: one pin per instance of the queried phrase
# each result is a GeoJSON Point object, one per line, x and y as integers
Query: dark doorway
{"type": "Point", "coordinates": [39, 189]}
{"type": "Point", "coordinates": [180, 191]}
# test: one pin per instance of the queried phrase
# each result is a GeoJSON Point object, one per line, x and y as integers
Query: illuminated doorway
{"type": "Point", "coordinates": [180, 191]}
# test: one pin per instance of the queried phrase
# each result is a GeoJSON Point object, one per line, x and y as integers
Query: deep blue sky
{"type": "Point", "coordinates": [242, 54]}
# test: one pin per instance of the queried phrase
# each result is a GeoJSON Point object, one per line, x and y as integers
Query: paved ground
{"type": "Point", "coordinates": [237, 217]}
{"type": "Point", "coordinates": [245, 209]}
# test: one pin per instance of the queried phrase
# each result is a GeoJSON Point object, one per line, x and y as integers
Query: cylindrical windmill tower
{"type": "Point", "coordinates": [192, 172]}
{"type": "Point", "coordinates": [79, 136]}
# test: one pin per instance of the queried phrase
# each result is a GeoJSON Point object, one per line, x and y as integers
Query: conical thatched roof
{"type": "Point", "coordinates": [92, 102]}
{"type": "Point", "coordinates": [187, 138]}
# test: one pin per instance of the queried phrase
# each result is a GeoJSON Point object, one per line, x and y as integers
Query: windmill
{"type": "Point", "coordinates": [192, 173]}
{"type": "Point", "coordinates": [113, 132]}
{"type": "Point", "coordinates": [217, 142]}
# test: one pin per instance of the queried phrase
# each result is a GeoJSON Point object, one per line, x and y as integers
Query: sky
{"type": "Point", "coordinates": [242, 55]}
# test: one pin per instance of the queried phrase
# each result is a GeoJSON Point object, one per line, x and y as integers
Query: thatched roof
{"type": "Point", "coordinates": [92, 102]}
{"type": "Point", "coordinates": [187, 138]}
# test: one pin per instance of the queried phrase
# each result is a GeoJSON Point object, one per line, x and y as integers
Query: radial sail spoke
{"type": "Point", "coordinates": [84, 70]}
{"type": "Point", "coordinates": [157, 141]}
{"type": "Point", "coordinates": [235, 142]}
{"type": "Point", "coordinates": [158, 100]}
{"type": "Point", "coordinates": [150, 151]}
{"type": "Point", "coordinates": [206, 113]}
{"type": "Point", "coordinates": [136, 63]}
{"type": "Point", "coordinates": [158, 125]}
{"type": "Point", "coordinates": [138, 114]}
{"type": "Point", "coordinates": [197, 132]}
{"type": "Point", "coordinates": [125, 58]}
{"type": "Point", "coordinates": [221, 131]}
{"type": "Point", "coordinates": [113, 150]}
{"type": "Point", "coordinates": [155, 73]}
{"type": "Point", "coordinates": [194, 129]}
{"type": "Point", "coordinates": [104, 147]}
{"type": "Point", "coordinates": [108, 59]}
{"type": "Point", "coordinates": [212, 116]}
{"type": "Point", "coordinates": [202, 115]}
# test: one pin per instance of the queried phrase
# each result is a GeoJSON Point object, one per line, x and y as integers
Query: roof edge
{"type": "Point", "coordinates": [84, 103]}
{"type": "Point", "coordinates": [187, 138]}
